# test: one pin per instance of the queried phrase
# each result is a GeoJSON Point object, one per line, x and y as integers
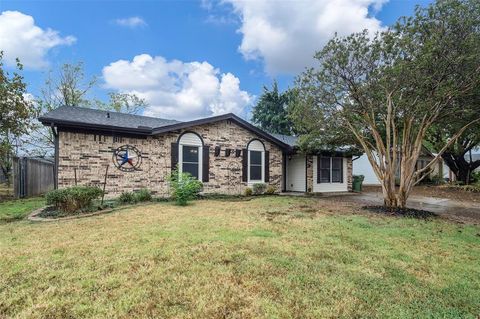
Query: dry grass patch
{"type": "Point", "coordinates": [271, 257]}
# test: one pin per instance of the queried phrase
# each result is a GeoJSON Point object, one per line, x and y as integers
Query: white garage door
{"type": "Point", "coordinates": [296, 173]}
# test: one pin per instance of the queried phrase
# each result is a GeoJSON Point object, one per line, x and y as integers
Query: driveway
{"type": "Point", "coordinates": [464, 212]}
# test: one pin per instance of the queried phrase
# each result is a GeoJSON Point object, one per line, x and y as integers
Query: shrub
{"type": "Point", "coordinates": [270, 190]}
{"type": "Point", "coordinates": [248, 191]}
{"type": "Point", "coordinates": [259, 188]}
{"type": "Point", "coordinates": [476, 177]}
{"type": "Point", "coordinates": [184, 187]}
{"type": "Point", "coordinates": [73, 199]}
{"type": "Point", "coordinates": [127, 198]}
{"type": "Point", "coordinates": [143, 195]}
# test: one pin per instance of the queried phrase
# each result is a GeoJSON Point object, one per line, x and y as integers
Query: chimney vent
{"type": "Point", "coordinates": [108, 115]}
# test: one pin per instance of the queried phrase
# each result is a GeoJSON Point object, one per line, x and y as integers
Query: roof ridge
{"type": "Point", "coordinates": [116, 112]}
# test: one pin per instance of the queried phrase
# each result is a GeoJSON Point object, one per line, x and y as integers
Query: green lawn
{"type": "Point", "coordinates": [271, 257]}
{"type": "Point", "coordinates": [12, 210]}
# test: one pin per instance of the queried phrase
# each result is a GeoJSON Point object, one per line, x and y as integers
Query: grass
{"type": "Point", "coordinates": [270, 257]}
{"type": "Point", "coordinates": [12, 210]}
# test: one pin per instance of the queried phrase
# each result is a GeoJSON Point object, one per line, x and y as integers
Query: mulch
{"type": "Point", "coordinates": [401, 212]}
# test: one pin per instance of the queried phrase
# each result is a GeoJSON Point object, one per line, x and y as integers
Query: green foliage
{"type": "Point", "coordinates": [386, 92]}
{"type": "Point", "coordinates": [184, 187]}
{"type": "Point", "coordinates": [16, 114]}
{"type": "Point", "coordinates": [248, 191]}
{"type": "Point", "coordinates": [73, 199]}
{"type": "Point", "coordinates": [143, 195]}
{"type": "Point", "coordinates": [271, 111]}
{"type": "Point", "coordinates": [127, 198]}
{"type": "Point", "coordinates": [259, 188]}
{"type": "Point", "coordinates": [476, 177]}
{"type": "Point", "coordinates": [270, 190]}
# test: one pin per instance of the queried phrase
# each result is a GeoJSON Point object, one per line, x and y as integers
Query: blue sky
{"type": "Point", "coordinates": [194, 58]}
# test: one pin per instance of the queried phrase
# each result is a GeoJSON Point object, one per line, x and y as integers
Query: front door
{"type": "Point", "coordinates": [296, 173]}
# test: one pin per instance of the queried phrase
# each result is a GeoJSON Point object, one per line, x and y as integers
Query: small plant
{"type": "Point", "coordinates": [73, 199]}
{"type": "Point", "coordinates": [248, 191]}
{"type": "Point", "coordinates": [259, 188]}
{"type": "Point", "coordinates": [127, 198]}
{"type": "Point", "coordinates": [270, 190]}
{"type": "Point", "coordinates": [143, 195]}
{"type": "Point", "coordinates": [184, 187]}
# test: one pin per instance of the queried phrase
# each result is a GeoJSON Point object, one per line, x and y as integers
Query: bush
{"type": "Point", "coordinates": [270, 190]}
{"type": "Point", "coordinates": [143, 195]}
{"type": "Point", "coordinates": [127, 198]}
{"type": "Point", "coordinates": [476, 177]}
{"type": "Point", "coordinates": [73, 199]}
{"type": "Point", "coordinates": [248, 191]}
{"type": "Point", "coordinates": [259, 188]}
{"type": "Point", "coordinates": [184, 187]}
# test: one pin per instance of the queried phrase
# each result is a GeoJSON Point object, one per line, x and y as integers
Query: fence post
{"type": "Point", "coordinates": [104, 184]}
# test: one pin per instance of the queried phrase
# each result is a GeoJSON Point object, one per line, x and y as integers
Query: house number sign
{"type": "Point", "coordinates": [127, 158]}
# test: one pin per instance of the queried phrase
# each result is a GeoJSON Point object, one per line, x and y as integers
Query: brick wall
{"type": "Point", "coordinates": [90, 154]}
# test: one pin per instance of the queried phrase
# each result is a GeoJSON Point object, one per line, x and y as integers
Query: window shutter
{"type": "Point", "coordinates": [206, 164]}
{"type": "Point", "coordinates": [244, 165]}
{"type": "Point", "coordinates": [174, 155]}
{"type": "Point", "coordinates": [318, 169]}
{"type": "Point", "coordinates": [267, 166]}
{"type": "Point", "coordinates": [341, 170]}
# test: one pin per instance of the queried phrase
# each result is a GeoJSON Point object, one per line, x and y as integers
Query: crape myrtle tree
{"type": "Point", "coordinates": [271, 111]}
{"type": "Point", "coordinates": [385, 92]}
{"type": "Point", "coordinates": [16, 114]}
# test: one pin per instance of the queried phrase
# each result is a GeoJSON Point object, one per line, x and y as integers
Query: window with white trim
{"type": "Point", "coordinates": [329, 169]}
{"type": "Point", "coordinates": [256, 162]}
{"type": "Point", "coordinates": [190, 155]}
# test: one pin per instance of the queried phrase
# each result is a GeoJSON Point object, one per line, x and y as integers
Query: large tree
{"type": "Point", "coordinates": [16, 114]}
{"type": "Point", "coordinates": [385, 93]}
{"type": "Point", "coordinates": [271, 111]}
{"type": "Point", "coordinates": [458, 156]}
{"type": "Point", "coordinates": [69, 86]}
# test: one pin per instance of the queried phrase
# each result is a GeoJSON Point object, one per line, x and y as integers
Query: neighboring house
{"type": "Point", "coordinates": [225, 152]}
{"type": "Point", "coordinates": [362, 166]}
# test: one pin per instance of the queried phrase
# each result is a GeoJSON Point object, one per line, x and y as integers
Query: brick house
{"type": "Point", "coordinates": [227, 153]}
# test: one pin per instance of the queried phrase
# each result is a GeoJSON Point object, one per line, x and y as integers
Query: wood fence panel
{"type": "Point", "coordinates": [32, 176]}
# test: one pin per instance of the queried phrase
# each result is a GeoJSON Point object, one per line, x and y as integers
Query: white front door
{"type": "Point", "coordinates": [296, 173]}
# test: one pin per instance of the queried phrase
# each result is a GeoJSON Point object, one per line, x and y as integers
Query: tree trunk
{"type": "Point", "coordinates": [460, 167]}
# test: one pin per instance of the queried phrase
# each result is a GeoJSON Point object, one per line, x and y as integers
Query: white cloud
{"type": "Point", "coordinates": [131, 22]}
{"type": "Point", "coordinates": [20, 37]}
{"type": "Point", "coordinates": [176, 89]}
{"type": "Point", "coordinates": [286, 34]}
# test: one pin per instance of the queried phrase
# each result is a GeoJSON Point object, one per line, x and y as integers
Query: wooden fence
{"type": "Point", "coordinates": [32, 176]}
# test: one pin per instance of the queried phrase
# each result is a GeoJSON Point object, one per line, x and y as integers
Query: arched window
{"type": "Point", "coordinates": [190, 148]}
{"type": "Point", "coordinates": [256, 162]}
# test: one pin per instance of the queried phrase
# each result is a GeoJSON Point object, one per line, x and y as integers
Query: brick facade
{"type": "Point", "coordinates": [90, 154]}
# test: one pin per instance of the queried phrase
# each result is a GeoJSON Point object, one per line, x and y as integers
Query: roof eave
{"type": "Point", "coordinates": [97, 127]}
{"type": "Point", "coordinates": [164, 129]}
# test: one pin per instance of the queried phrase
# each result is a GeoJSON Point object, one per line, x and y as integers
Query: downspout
{"type": "Point", "coordinates": [56, 156]}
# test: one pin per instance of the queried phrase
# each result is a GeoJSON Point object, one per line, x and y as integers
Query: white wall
{"type": "Point", "coordinates": [329, 187]}
{"type": "Point", "coordinates": [361, 166]}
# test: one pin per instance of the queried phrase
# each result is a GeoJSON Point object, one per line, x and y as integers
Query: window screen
{"type": "Point", "coordinates": [190, 159]}
{"type": "Point", "coordinates": [337, 170]}
{"type": "Point", "coordinates": [255, 165]}
{"type": "Point", "coordinates": [324, 169]}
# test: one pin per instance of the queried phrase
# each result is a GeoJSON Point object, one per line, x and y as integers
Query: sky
{"type": "Point", "coordinates": [187, 59]}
